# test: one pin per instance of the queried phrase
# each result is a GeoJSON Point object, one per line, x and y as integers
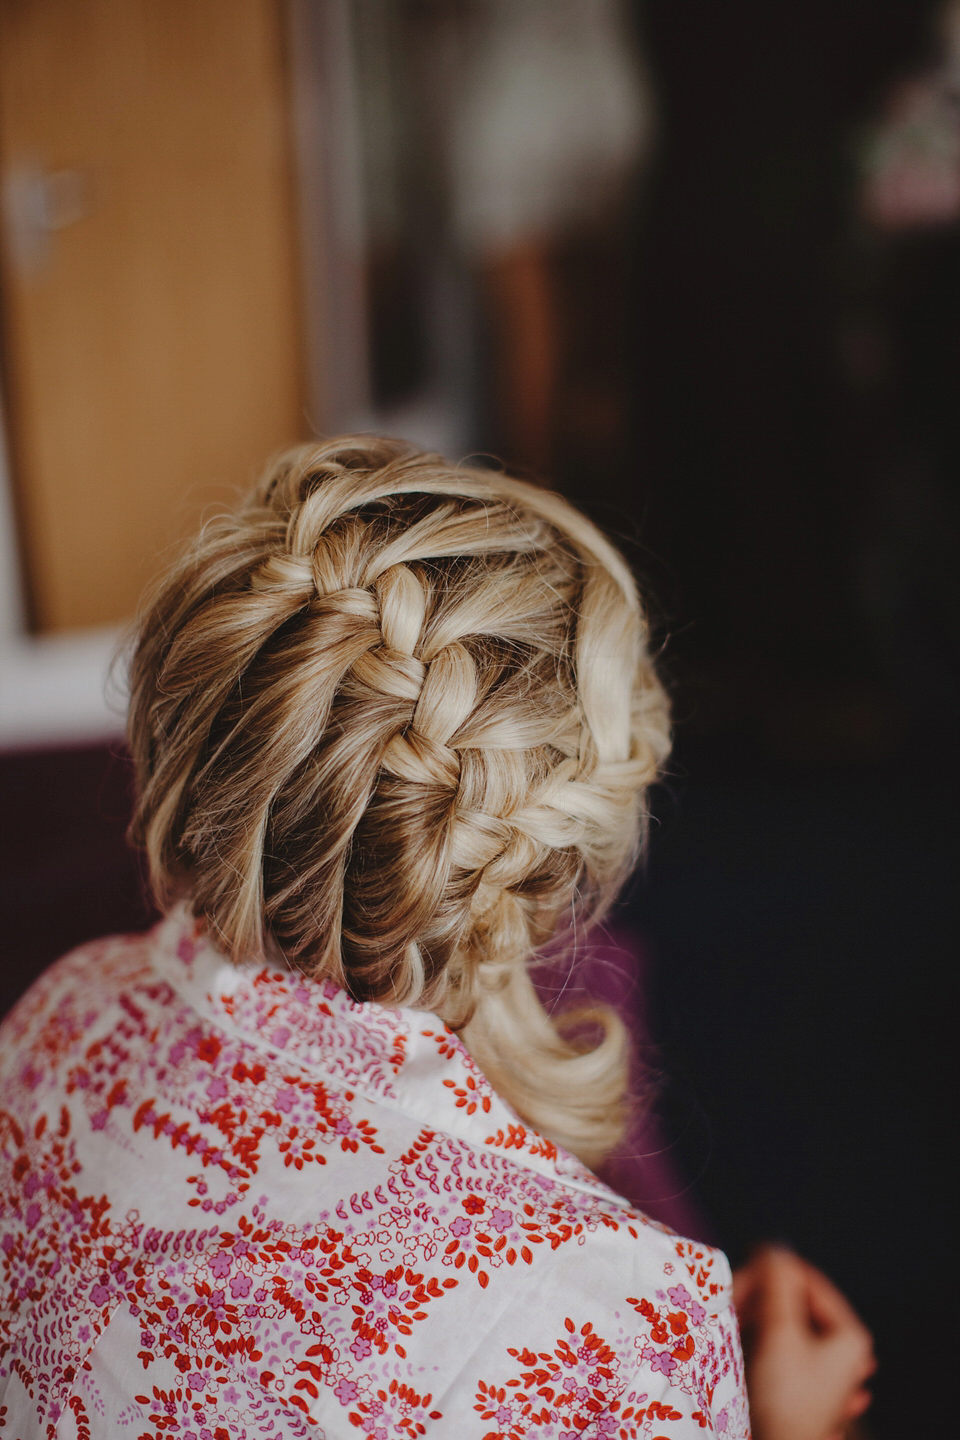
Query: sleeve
{"type": "Point", "coordinates": [619, 1351]}
{"type": "Point", "coordinates": [689, 1365]}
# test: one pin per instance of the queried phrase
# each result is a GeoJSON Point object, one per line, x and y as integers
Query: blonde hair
{"type": "Point", "coordinates": [393, 721]}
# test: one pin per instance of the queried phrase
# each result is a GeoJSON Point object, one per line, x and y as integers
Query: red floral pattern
{"type": "Point", "coordinates": [234, 1203]}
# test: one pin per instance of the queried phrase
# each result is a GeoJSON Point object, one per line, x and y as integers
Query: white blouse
{"type": "Point", "coordinates": [235, 1203]}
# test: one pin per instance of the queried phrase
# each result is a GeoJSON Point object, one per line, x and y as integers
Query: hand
{"type": "Point", "coordinates": [807, 1354]}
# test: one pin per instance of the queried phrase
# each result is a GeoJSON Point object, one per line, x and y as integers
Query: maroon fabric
{"type": "Point", "coordinates": [66, 872]}
{"type": "Point", "coordinates": [615, 967]}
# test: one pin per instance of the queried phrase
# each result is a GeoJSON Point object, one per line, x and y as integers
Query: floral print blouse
{"type": "Point", "coordinates": [235, 1203]}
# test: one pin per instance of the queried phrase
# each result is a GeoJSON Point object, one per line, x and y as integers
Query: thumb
{"type": "Point", "coordinates": [781, 1288]}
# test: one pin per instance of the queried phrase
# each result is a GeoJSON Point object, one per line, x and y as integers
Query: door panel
{"type": "Point", "coordinates": [151, 323]}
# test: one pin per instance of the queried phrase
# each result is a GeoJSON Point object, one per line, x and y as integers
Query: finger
{"type": "Point", "coordinates": [749, 1279]}
{"type": "Point", "coordinates": [744, 1285]}
{"type": "Point", "coordinates": [781, 1288]}
{"type": "Point", "coordinates": [862, 1361]}
{"type": "Point", "coordinates": [832, 1315]}
{"type": "Point", "coordinates": [828, 1307]}
{"type": "Point", "coordinates": [746, 1282]}
{"type": "Point", "coordinates": [844, 1365]}
{"type": "Point", "coordinates": [857, 1404]}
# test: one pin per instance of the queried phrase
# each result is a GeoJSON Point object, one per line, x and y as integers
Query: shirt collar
{"type": "Point", "coordinates": [406, 1059]}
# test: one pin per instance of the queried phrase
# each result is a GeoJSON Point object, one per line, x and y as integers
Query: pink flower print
{"type": "Point", "coordinates": [460, 1226]}
{"type": "Point", "coordinates": [221, 1265]}
{"type": "Point", "coordinates": [360, 1348]}
{"type": "Point", "coordinates": [99, 1120]}
{"type": "Point", "coordinates": [31, 1185]}
{"type": "Point", "coordinates": [663, 1361]}
{"type": "Point", "coordinates": [680, 1295]}
{"type": "Point", "coordinates": [195, 1381]}
{"type": "Point", "coordinates": [280, 1036]}
{"type": "Point", "coordinates": [186, 949]}
{"type": "Point", "coordinates": [343, 1126]}
{"type": "Point", "coordinates": [231, 1395]}
{"type": "Point", "coordinates": [240, 1285]}
{"type": "Point", "coordinates": [100, 1294]}
{"type": "Point", "coordinates": [286, 1099]}
{"type": "Point", "coordinates": [346, 1392]}
{"type": "Point", "coordinates": [260, 1295]}
{"type": "Point", "coordinates": [504, 1415]}
{"type": "Point", "coordinates": [722, 1421]}
{"type": "Point", "coordinates": [217, 1088]}
{"type": "Point", "coordinates": [501, 1220]}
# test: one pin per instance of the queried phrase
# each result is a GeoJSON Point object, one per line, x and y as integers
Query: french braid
{"type": "Point", "coordinates": [394, 721]}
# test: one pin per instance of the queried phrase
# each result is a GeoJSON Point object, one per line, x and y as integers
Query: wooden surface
{"type": "Point", "coordinates": [152, 357]}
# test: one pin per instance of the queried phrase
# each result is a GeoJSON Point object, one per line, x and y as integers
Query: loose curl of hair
{"type": "Point", "coordinates": [394, 721]}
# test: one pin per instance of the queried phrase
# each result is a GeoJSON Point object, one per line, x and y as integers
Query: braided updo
{"type": "Point", "coordinates": [394, 721]}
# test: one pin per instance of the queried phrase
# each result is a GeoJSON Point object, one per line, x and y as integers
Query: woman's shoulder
{"type": "Point", "coordinates": [246, 1186]}
{"type": "Point", "coordinates": [73, 993]}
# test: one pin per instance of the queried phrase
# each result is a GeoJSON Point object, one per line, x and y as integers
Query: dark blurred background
{"type": "Point", "coordinates": [726, 321]}
{"type": "Point", "coordinates": [797, 350]}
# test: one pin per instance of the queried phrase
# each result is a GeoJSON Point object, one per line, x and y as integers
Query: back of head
{"type": "Point", "coordinates": [394, 721]}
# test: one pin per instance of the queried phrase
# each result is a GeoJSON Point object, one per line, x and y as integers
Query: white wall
{"type": "Point", "coordinates": [56, 689]}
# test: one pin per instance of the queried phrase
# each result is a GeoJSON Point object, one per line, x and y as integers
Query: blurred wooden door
{"type": "Point", "coordinates": [150, 308]}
